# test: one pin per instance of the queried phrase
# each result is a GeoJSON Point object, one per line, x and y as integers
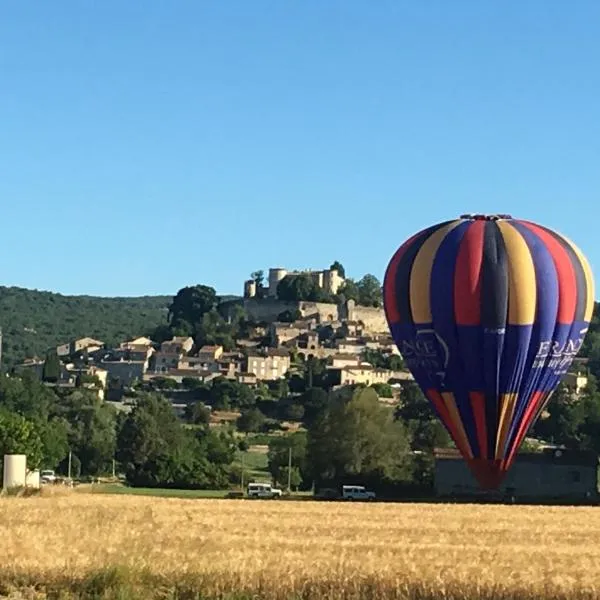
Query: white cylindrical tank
{"type": "Point", "coordinates": [32, 479]}
{"type": "Point", "coordinates": [15, 471]}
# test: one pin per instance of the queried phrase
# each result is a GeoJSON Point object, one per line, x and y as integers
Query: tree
{"type": "Point", "coordinates": [27, 396]}
{"type": "Point", "coordinates": [415, 411]}
{"type": "Point", "coordinates": [356, 438]}
{"type": "Point", "coordinates": [349, 291]}
{"type": "Point", "coordinates": [314, 400]}
{"type": "Point", "coordinates": [337, 266]}
{"type": "Point", "coordinates": [197, 413]}
{"type": "Point", "coordinates": [226, 394]}
{"type": "Point", "coordinates": [55, 442]}
{"type": "Point", "coordinates": [294, 477]}
{"type": "Point", "coordinates": [92, 430]}
{"type": "Point", "coordinates": [294, 288]}
{"type": "Point", "coordinates": [259, 277]}
{"type": "Point", "coordinates": [212, 329]}
{"type": "Point", "coordinates": [188, 307]}
{"type": "Point", "coordinates": [279, 456]}
{"type": "Point", "coordinates": [156, 451]}
{"type": "Point", "coordinates": [565, 419]}
{"type": "Point", "coordinates": [250, 420]}
{"type": "Point", "coordinates": [20, 436]}
{"type": "Point", "coordinates": [294, 412]}
{"type": "Point", "coordinates": [384, 390]}
{"type": "Point", "coordinates": [51, 371]}
{"type": "Point", "coordinates": [369, 291]}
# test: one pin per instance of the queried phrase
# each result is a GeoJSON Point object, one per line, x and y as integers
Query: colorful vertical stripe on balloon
{"type": "Point", "coordinates": [478, 300]}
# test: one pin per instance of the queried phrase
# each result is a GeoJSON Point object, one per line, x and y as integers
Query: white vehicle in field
{"type": "Point", "coordinates": [356, 492]}
{"type": "Point", "coordinates": [263, 490]}
{"type": "Point", "coordinates": [47, 476]}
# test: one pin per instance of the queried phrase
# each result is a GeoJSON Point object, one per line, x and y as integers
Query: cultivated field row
{"type": "Point", "coordinates": [87, 545]}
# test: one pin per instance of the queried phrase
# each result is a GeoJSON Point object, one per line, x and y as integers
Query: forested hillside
{"type": "Point", "coordinates": [33, 321]}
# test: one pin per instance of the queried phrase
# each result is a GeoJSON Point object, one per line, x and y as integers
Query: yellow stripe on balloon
{"type": "Point", "coordinates": [507, 403]}
{"type": "Point", "coordinates": [589, 279]}
{"type": "Point", "coordinates": [522, 292]}
{"type": "Point", "coordinates": [453, 413]}
{"type": "Point", "coordinates": [420, 275]}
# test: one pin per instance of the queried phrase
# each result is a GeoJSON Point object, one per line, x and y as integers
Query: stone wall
{"type": "Point", "coordinates": [268, 309]}
{"type": "Point", "coordinates": [373, 319]}
{"type": "Point", "coordinates": [322, 310]}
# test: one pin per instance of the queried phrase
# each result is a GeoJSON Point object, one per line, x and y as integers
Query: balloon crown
{"type": "Point", "coordinates": [485, 217]}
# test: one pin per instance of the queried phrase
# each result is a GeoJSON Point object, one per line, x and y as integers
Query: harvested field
{"type": "Point", "coordinates": [74, 544]}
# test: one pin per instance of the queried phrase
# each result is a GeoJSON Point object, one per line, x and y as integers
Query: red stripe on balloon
{"type": "Point", "coordinates": [535, 401]}
{"type": "Point", "coordinates": [467, 276]}
{"type": "Point", "coordinates": [567, 282]}
{"type": "Point", "coordinates": [436, 398]}
{"type": "Point", "coordinates": [390, 303]}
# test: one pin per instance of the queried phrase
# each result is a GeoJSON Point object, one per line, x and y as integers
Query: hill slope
{"type": "Point", "coordinates": [33, 321]}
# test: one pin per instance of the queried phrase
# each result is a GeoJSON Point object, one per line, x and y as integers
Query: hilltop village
{"type": "Point", "coordinates": [280, 334]}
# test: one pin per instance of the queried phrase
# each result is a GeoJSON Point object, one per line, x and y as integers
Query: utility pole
{"type": "Point", "coordinates": [289, 486]}
{"type": "Point", "coordinates": [242, 481]}
{"type": "Point", "coordinates": [69, 475]}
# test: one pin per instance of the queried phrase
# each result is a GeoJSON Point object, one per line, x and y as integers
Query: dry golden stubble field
{"type": "Point", "coordinates": [95, 545]}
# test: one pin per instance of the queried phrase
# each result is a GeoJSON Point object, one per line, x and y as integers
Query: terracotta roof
{"type": "Point", "coordinates": [208, 349]}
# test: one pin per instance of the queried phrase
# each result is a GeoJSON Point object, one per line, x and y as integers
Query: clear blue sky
{"type": "Point", "coordinates": [149, 145]}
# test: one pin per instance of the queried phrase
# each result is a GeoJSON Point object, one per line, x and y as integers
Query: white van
{"type": "Point", "coordinates": [263, 490]}
{"type": "Point", "coordinates": [356, 492]}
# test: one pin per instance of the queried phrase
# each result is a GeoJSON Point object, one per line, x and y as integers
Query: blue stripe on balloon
{"type": "Point", "coordinates": [444, 323]}
{"type": "Point", "coordinates": [544, 328]}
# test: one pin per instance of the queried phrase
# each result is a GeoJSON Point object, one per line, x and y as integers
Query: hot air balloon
{"type": "Point", "coordinates": [488, 313]}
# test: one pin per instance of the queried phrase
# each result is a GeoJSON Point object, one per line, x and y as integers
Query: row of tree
{"type": "Point", "coordinates": [150, 444]}
{"type": "Point", "coordinates": [348, 435]}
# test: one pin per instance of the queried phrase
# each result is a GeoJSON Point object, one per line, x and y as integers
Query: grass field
{"type": "Point", "coordinates": [69, 544]}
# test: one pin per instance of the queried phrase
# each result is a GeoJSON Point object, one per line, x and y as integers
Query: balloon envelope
{"type": "Point", "coordinates": [488, 313]}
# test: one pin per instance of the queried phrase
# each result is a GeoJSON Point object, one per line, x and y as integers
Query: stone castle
{"type": "Point", "coordinates": [328, 280]}
{"type": "Point", "coordinates": [269, 308]}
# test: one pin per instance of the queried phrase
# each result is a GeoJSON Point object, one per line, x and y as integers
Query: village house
{"type": "Point", "coordinates": [71, 372]}
{"type": "Point", "coordinates": [138, 349]}
{"type": "Point", "coordinates": [340, 361]}
{"type": "Point", "coordinates": [178, 375]}
{"type": "Point", "coordinates": [575, 382]}
{"type": "Point", "coordinates": [269, 364]}
{"type": "Point", "coordinates": [283, 333]}
{"type": "Point", "coordinates": [210, 354]}
{"type": "Point", "coordinates": [230, 364]}
{"type": "Point", "coordinates": [87, 344]}
{"type": "Point", "coordinates": [34, 365]}
{"type": "Point", "coordinates": [365, 374]}
{"type": "Point", "coordinates": [350, 346]}
{"type": "Point", "coordinates": [170, 354]}
{"type": "Point", "coordinates": [351, 329]}
{"type": "Point", "coordinates": [178, 345]}
{"type": "Point", "coordinates": [123, 371]}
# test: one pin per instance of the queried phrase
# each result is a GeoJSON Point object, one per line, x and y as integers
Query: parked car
{"type": "Point", "coordinates": [263, 490]}
{"type": "Point", "coordinates": [357, 492]}
{"type": "Point", "coordinates": [47, 476]}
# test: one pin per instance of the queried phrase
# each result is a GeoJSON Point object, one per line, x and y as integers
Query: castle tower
{"type": "Point", "coordinates": [249, 288]}
{"type": "Point", "coordinates": [275, 276]}
{"type": "Point", "coordinates": [332, 281]}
